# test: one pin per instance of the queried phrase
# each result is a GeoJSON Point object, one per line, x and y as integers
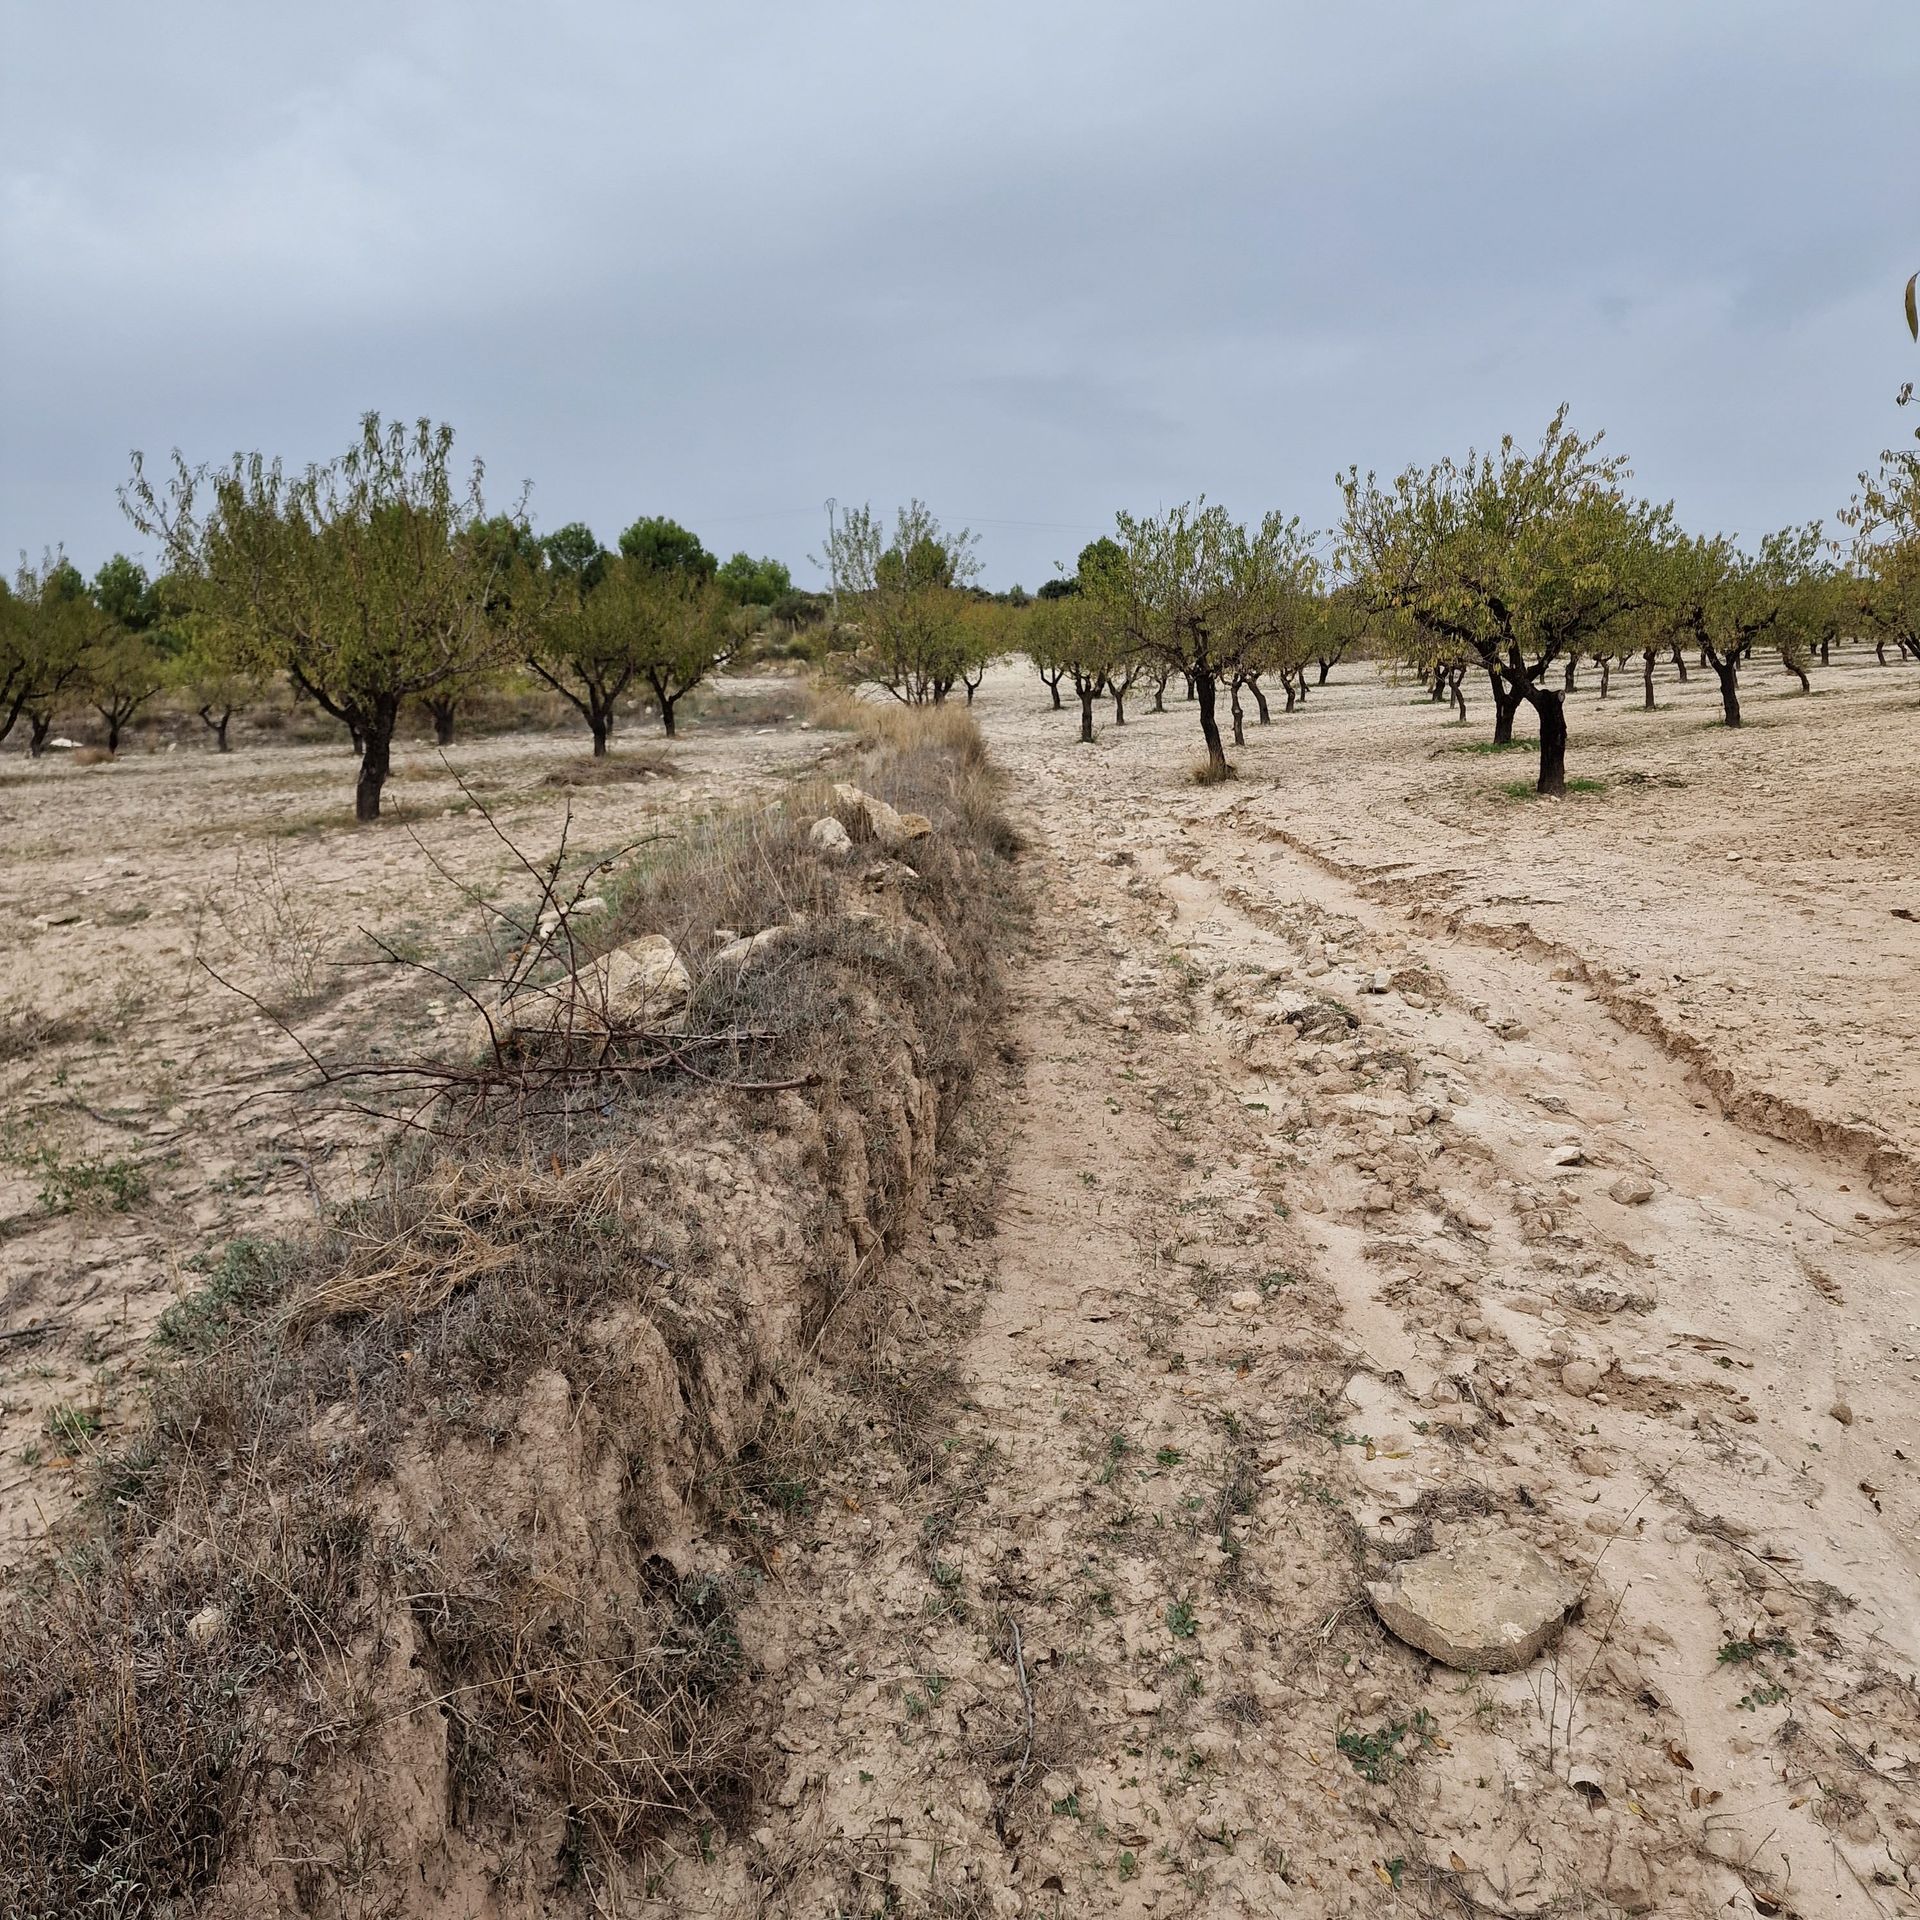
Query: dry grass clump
{"type": "Point", "coordinates": [423, 1492]}
{"type": "Point", "coordinates": [614, 770]}
{"type": "Point", "coordinates": [25, 1031]}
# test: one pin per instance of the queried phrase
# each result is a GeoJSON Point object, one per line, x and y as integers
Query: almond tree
{"type": "Point", "coordinates": [1884, 519]}
{"type": "Point", "coordinates": [355, 578]}
{"type": "Point", "coordinates": [1196, 591]}
{"type": "Point", "coordinates": [1279, 616]}
{"type": "Point", "coordinates": [1521, 558]}
{"type": "Point", "coordinates": [1069, 633]}
{"type": "Point", "coordinates": [50, 627]}
{"type": "Point", "coordinates": [584, 648]}
{"type": "Point", "coordinates": [1724, 602]}
{"type": "Point", "coordinates": [681, 629]}
{"type": "Point", "coordinates": [905, 599]}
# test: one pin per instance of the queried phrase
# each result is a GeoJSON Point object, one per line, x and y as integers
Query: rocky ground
{"type": "Point", "coordinates": [144, 1117]}
{"type": "Point", "coordinates": [1356, 1196]}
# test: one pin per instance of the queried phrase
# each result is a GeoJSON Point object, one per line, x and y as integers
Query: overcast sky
{"type": "Point", "coordinates": [1032, 261]}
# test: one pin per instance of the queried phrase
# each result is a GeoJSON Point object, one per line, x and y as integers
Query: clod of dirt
{"type": "Point", "coordinates": [1580, 1376]}
{"type": "Point", "coordinates": [1489, 1605]}
{"type": "Point", "coordinates": [1631, 1190]}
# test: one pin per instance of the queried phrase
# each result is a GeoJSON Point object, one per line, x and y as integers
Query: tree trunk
{"type": "Point", "coordinates": [1572, 662]}
{"type": "Point", "coordinates": [1086, 715]}
{"type": "Point", "coordinates": [1260, 701]}
{"type": "Point", "coordinates": [1880, 649]}
{"type": "Point", "coordinates": [1552, 709]}
{"type": "Point", "coordinates": [1729, 690]}
{"type": "Point", "coordinates": [1606, 675]}
{"type": "Point", "coordinates": [1053, 687]}
{"type": "Point", "coordinates": [598, 722]}
{"type": "Point", "coordinates": [1286, 687]}
{"type": "Point", "coordinates": [1454, 682]}
{"type": "Point", "coordinates": [968, 684]}
{"type": "Point", "coordinates": [667, 705]}
{"type": "Point", "coordinates": [1680, 661]}
{"type": "Point", "coordinates": [1826, 653]}
{"type": "Point", "coordinates": [1438, 691]}
{"type": "Point", "coordinates": [1239, 713]}
{"type": "Point", "coordinates": [1191, 688]}
{"type": "Point", "coordinates": [39, 725]}
{"type": "Point", "coordinates": [1160, 693]}
{"type": "Point", "coordinates": [442, 711]}
{"type": "Point", "coordinates": [1800, 673]}
{"type": "Point", "coordinates": [376, 762]}
{"type": "Point", "coordinates": [1205, 691]}
{"type": "Point", "coordinates": [1119, 705]}
{"type": "Point", "coordinates": [1505, 705]}
{"type": "Point", "coordinates": [1326, 667]}
{"type": "Point", "coordinates": [113, 733]}
{"type": "Point", "coordinates": [1646, 675]}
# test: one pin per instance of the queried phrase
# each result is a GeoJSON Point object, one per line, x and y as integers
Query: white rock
{"type": "Point", "coordinates": [1489, 1605]}
{"type": "Point", "coordinates": [736, 953]}
{"type": "Point", "coordinates": [828, 836]}
{"type": "Point", "coordinates": [1631, 1190]}
{"type": "Point", "coordinates": [1247, 1300]}
{"type": "Point", "coordinates": [207, 1626]}
{"type": "Point", "coordinates": [891, 829]}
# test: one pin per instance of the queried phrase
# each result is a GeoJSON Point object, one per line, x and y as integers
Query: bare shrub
{"type": "Point", "coordinates": [285, 931]}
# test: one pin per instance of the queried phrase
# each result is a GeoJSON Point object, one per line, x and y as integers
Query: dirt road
{"type": "Point", "coordinates": [1320, 1222]}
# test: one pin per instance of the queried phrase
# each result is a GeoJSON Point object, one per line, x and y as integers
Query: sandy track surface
{"type": "Point", "coordinates": [1306, 1257]}
{"type": "Point", "coordinates": [146, 1118]}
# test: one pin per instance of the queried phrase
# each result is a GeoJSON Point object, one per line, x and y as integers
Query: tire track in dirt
{"type": "Point", "coordinates": [1895, 1175]}
{"type": "Point", "coordinates": [1287, 1279]}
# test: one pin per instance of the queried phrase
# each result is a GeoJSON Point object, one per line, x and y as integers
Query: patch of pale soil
{"type": "Point", "coordinates": [145, 1118]}
{"type": "Point", "coordinates": [1752, 897]}
{"type": "Point", "coordinates": [1326, 1238]}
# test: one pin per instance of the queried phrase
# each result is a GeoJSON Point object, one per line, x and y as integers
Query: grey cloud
{"type": "Point", "coordinates": [1031, 262]}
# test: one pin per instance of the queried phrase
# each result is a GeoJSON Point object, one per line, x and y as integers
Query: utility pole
{"type": "Point", "coordinates": [833, 556]}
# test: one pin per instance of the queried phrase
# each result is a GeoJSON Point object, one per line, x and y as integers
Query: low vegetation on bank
{"type": "Point", "coordinates": [416, 1577]}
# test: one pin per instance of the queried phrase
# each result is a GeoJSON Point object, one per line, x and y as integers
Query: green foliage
{"type": "Point", "coordinates": [1378, 1755]}
{"type": "Point", "coordinates": [84, 1181]}
{"type": "Point", "coordinates": [1884, 520]}
{"type": "Point", "coordinates": [664, 627]}
{"type": "Point", "coordinates": [1740, 1653]}
{"type": "Point", "coordinates": [370, 580]}
{"type": "Point", "coordinates": [1203, 595]}
{"type": "Point", "coordinates": [665, 546]}
{"type": "Point", "coordinates": [906, 601]}
{"type": "Point", "coordinates": [1516, 558]}
{"type": "Point", "coordinates": [123, 593]}
{"type": "Point", "coordinates": [1707, 593]}
{"type": "Point", "coordinates": [574, 552]}
{"type": "Point", "coordinates": [755, 583]}
{"type": "Point", "coordinates": [247, 1277]}
{"type": "Point", "coordinates": [50, 629]}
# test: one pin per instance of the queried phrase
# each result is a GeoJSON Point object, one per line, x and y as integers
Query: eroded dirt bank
{"type": "Point", "coordinates": [1327, 1236]}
